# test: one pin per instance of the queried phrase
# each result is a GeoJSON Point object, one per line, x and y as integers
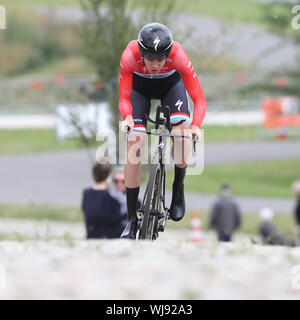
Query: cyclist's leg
{"type": "Point", "coordinates": [133, 168]}
{"type": "Point", "coordinates": [176, 99]}
{"type": "Point", "coordinates": [140, 108]}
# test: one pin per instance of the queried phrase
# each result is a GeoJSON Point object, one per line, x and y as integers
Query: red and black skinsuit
{"type": "Point", "coordinates": [138, 87]}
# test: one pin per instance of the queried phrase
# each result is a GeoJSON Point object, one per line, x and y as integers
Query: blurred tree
{"type": "Point", "coordinates": [105, 31]}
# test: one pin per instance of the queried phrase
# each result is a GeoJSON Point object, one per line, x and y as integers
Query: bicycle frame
{"type": "Point", "coordinates": [155, 192]}
{"type": "Point", "coordinates": [152, 218]}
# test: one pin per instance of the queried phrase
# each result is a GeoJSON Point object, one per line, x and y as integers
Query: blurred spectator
{"type": "Point", "coordinates": [117, 189]}
{"type": "Point", "coordinates": [225, 215]}
{"type": "Point", "coordinates": [268, 231]}
{"type": "Point", "coordinates": [101, 211]}
{"type": "Point", "coordinates": [95, 95]}
{"type": "Point", "coordinates": [296, 189]}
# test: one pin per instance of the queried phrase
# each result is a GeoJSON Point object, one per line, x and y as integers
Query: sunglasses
{"type": "Point", "coordinates": [116, 181]}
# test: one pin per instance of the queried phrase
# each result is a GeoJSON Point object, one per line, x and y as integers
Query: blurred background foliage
{"type": "Point", "coordinates": [38, 43]}
{"type": "Point", "coordinates": [277, 17]}
{"type": "Point", "coordinates": [32, 42]}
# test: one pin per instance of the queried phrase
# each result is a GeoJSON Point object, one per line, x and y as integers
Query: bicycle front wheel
{"type": "Point", "coordinates": [151, 205]}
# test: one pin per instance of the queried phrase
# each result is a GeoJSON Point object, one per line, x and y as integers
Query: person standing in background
{"type": "Point", "coordinates": [225, 215]}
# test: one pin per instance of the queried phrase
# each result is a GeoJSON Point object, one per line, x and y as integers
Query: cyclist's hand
{"type": "Point", "coordinates": [127, 122]}
{"type": "Point", "coordinates": [196, 130]}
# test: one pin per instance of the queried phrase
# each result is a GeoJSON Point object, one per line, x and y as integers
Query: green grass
{"type": "Point", "coordinates": [32, 140]}
{"type": "Point", "coordinates": [250, 221]}
{"type": "Point", "coordinates": [265, 179]}
{"type": "Point", "coordinates": [229, 133]}
{"type": "Point", "coordinates": [245, 11]}
{"type": "Point", "coordinates": [214, 133]}
{"type": "Point", "coordinates": [41, 212]}
{"type": "Point", "coordinates": [41, 140]}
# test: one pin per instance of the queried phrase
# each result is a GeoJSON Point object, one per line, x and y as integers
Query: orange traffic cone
{"type": "Point", "coordinates": [196, 227]}
{"type": "Point", "coordinates": [281, 134]}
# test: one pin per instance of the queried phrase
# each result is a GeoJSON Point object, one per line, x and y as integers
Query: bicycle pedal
{"type": "Point", "coordinates": [168, 214]}
{"type": "Point", "coordinates": [161, 224]}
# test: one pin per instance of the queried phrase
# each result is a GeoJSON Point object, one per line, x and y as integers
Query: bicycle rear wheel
{"type": "Point", "coordinates": [151, 205]}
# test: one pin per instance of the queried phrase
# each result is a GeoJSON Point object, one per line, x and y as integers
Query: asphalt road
{"type": "Point", "coordinates": [58, 177]}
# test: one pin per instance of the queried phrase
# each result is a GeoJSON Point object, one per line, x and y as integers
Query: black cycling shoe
{"type": "Point", "coordinates": [130, 229]}
{"type": "Point", "coordinates": [131, 226]}
{"type": "Point", "coordinates": [177, 209]}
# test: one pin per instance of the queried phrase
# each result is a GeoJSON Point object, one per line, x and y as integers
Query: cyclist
{"type": "Point", "coordinates": [156, 67]}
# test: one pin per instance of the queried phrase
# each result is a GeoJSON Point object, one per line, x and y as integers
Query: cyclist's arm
{"type": "Point", "coordinates": [192, 84]}
{"type": "Point", "coordinates": [126, 76]}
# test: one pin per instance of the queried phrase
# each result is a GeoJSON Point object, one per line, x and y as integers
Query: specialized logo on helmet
{"type": "Point", "coordinates": [156, 42]}
{"type": "Point", "coordinates": [179, 104]}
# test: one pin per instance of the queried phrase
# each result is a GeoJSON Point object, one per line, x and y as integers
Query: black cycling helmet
{"type": "Point", "coordinates": [155, 41]}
